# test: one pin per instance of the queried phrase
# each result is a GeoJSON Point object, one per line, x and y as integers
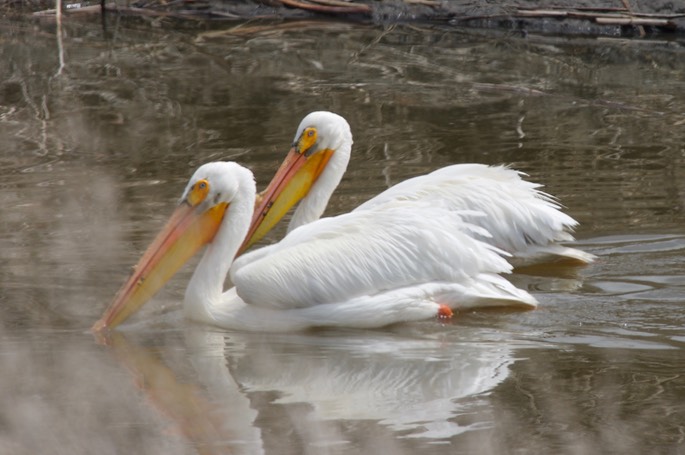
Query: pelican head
{"type": "Point", "coordinates": [209, 196]}
{"type": "Point", "coordinates": [312, 168]}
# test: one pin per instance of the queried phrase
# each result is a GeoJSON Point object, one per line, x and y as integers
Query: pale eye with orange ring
{"type": "Point", "coordinates": [198, 192]}
{"type": "Point", "coordinates": [307, 140]}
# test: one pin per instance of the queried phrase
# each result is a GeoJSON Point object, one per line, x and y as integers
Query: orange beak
{"type": "Point", "coordinates": [292, 182]}
{"type": "Point", "coordinates": [186, 232]}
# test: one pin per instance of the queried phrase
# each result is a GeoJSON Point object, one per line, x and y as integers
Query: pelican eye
{"type": "Point", "coordinates": [198, 192]}
{"type": "Point", "coordinates": [307, 141]}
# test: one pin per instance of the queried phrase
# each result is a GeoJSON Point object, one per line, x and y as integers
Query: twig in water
{"type": "Point", "coordinates": [60, 46]}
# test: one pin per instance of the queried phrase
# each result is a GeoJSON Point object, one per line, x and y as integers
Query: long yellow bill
{"type": "Point", "coordinates": [292, 182]}
{"type": "Point", "coordinates": [185, 233]}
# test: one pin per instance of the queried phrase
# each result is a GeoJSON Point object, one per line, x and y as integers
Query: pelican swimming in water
{"type": "Point", "coordinates": [397, 261]}
{"type": "Point", "coordinates": [519, 218]}
{"type": "Point", "coordinates": [493, 205]}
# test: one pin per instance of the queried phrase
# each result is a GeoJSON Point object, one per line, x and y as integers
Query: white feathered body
{"type": "Point", "coordinates": [397, 262]}
{"type": "Point", "coordinates": [363, 253]}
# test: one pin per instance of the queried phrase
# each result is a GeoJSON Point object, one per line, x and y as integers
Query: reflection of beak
{"type": "Point", "coordinates": [185, 404]}
{"type": "Point", "coordinates": [292, 182]}
{"type": "Point", "coordinates": [185, 233]}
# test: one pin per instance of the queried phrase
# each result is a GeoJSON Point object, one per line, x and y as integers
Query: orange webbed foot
{"type": "Point", "coordinates": [445, 313]}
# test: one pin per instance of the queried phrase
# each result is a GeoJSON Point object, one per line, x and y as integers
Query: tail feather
{"type": "Point", "coordinates": [551, 254]}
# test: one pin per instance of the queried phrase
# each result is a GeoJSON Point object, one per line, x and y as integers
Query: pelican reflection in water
{"type": "Point", "coordinates": [412, 386]}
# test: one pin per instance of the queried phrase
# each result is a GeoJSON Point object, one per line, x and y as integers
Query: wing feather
{"type": "Point", "coordinates": [366, 252]}
{"type": "Point", "coordinates": [518, 214]}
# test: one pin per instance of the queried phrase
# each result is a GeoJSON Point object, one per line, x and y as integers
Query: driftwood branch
{"type": "Point", "coordinates": [606, 18]}
{"type": "Point", "coordinates": [329, 6]}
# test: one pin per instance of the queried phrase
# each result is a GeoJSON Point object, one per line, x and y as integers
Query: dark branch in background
{"type": "Point", "coordinates": [558, 17]}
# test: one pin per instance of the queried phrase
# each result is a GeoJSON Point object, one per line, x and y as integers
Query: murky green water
{"type": "Point", "coordinates": [93, 158]}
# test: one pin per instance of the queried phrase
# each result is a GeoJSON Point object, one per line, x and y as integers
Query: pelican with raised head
{"type": "Point", "coordinates": [520, 218]}
{"type": "Point", "coordinates": [399, 261]}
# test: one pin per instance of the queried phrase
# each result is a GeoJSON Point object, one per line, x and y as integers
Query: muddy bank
{"type": "Point", "coordinates": [622, 18]}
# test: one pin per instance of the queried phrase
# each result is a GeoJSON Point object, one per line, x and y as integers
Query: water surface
{"type": "Point", "coordinates": [94, 156]}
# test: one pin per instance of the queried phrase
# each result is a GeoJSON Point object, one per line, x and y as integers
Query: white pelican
{"type": "Point", "coordinates": [398, 261]}
{"type": "Point", "coordinates": [520, 219]}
